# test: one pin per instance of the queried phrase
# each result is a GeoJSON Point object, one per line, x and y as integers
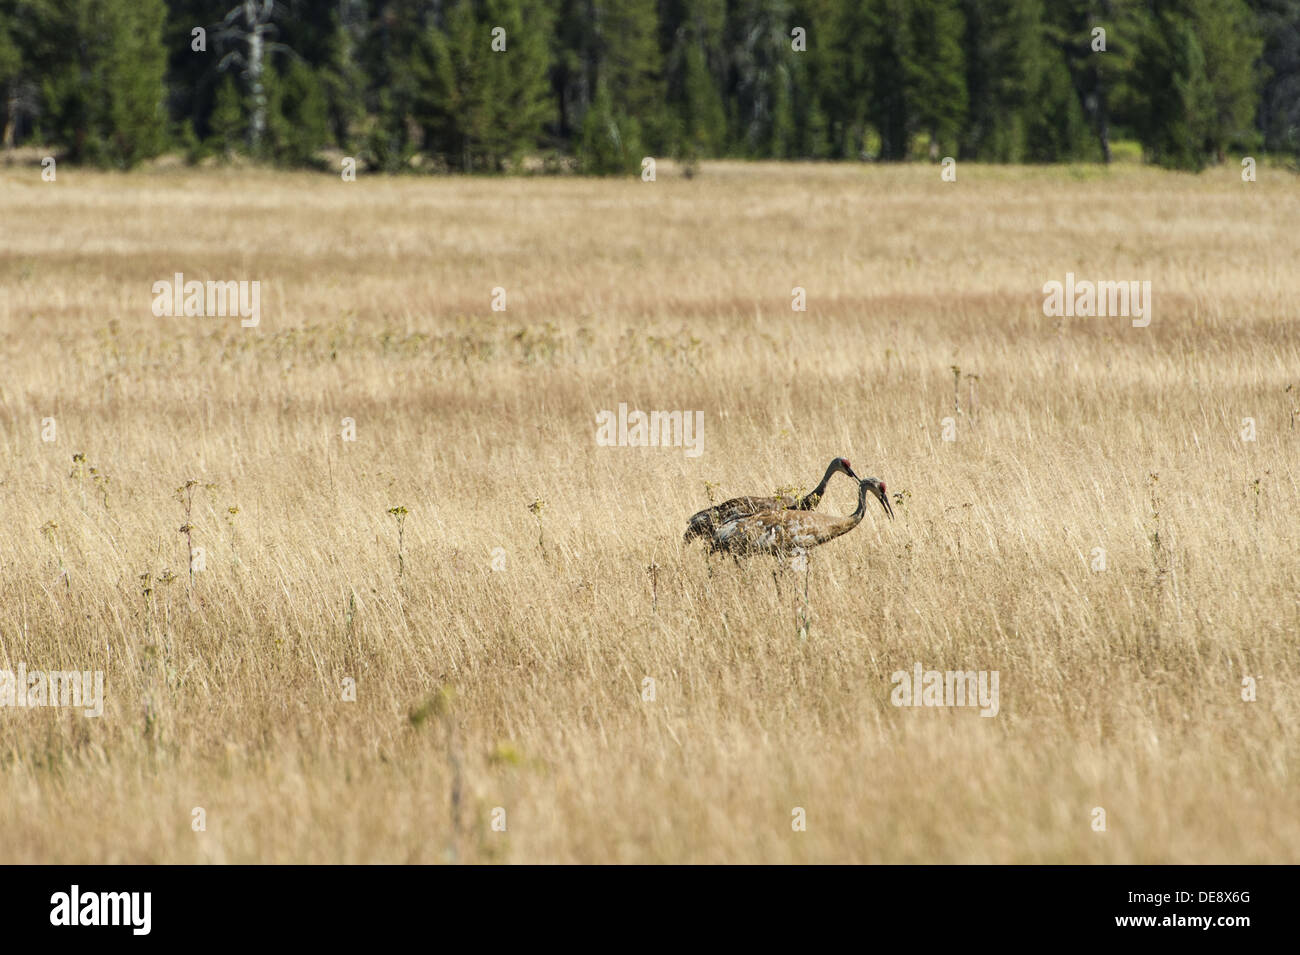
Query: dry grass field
{"type": "Point", "coordinates": [500, 658]}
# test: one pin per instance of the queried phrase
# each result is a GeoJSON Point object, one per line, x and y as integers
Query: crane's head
{"type": "Point", "coordinates": [877, 487]}
{"type": "Point", "coordinates": [842, 464]}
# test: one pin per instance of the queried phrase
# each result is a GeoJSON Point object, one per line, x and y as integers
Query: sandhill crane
{"type": "Point", "coordinates": [786, 532]}
{"type": "Point", "coordinates": [707, 521]}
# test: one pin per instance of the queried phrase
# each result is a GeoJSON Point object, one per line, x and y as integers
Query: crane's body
{"type": "Point", "coordinates": [705, 523]}
{"type": "Point", "coordinates": [784, 532]}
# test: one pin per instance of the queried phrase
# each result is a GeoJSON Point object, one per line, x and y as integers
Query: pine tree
{"type": "Point", "coordinates": [607, 81]}
{"type": "Point", "coordinates": [342, 75]}
{"type": "Point", "coordinates": [11, 74]}
{"type": "Point", "coordinates": [1055, 129]}
{"type": "Point", "coordinates": [228, 124]}
{"type": "Point", "coordinates": [479, 106]}
{"type": "Point", "coordinates": [933, 65]}
{"type": "Point", "coordinates": [1171, 67]}
{"type": "Point", "coordinates": [105, 101]}
{"type": "Point", "coordinates": [1279, 104]}
{"type": "Point", "coordinates": [812, 78]}
{"type": "Point", "coordinates": [849, 84]}
{"type": "Point", "coordinates": [886, 49]}
{"type": "Point", "coordinates": [388, 55]}
{"type": "Point", "coordinates": [1230, 39]}
{"type": "Point", "coordinates": [611, 140]}
{"type": "Point", "coordinates": [517, 81]}
{"type": "Point", "coordinates": [296, 117]}
{"type": "Point", "coordinates": [704, 119]}
{"type": "Point", "coordinates": [1004, 58]}
{"type": "Point", "coordinates": [1197, 67]}
{"type": "Point", "coordinates": [762, 66]}
{"type": "Point", "coordinates": [612, 84]}
{"type": "Point", "coordinates": [692, 77]}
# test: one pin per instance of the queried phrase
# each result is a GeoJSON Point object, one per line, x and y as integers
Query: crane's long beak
{"type": "Point", "coordinates": [883, 498]}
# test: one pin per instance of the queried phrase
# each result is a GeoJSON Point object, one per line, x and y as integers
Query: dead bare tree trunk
{"type": "Point", "coordinates": [11, 110]}
{"type": "Point", "coordinates": [250, 24]}
{"type": "Point", "coordinates": [257, 124]}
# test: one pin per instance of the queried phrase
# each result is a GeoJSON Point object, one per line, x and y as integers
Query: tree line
{"type": "Point", "coordinates": [483, 85]}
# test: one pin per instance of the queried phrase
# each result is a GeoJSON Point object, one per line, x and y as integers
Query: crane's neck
{"type": "Point", "coordinates": [810, 500]}
{"type": "Point", "coordinates": [862, 504]}
{"type": "Point", "coordinates": [846, 524]}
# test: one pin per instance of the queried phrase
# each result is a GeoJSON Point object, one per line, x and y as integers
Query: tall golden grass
{"type": "Point", "coordinates": [523, 687]}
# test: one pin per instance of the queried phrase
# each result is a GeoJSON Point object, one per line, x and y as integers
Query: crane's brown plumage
{"type": "Point", "coordinates": [707, 521]}
{"type": "Point", "coordinates": [782, 532]}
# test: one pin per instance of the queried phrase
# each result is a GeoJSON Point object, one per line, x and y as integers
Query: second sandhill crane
{"type": "Point", "coordinates": [707, 521]}
{"type": "Point", "coordinates": [783, 533]}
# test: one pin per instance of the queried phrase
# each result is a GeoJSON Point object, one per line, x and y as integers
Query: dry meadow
{"type": "Point", "coordinates": [1100, 531]}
